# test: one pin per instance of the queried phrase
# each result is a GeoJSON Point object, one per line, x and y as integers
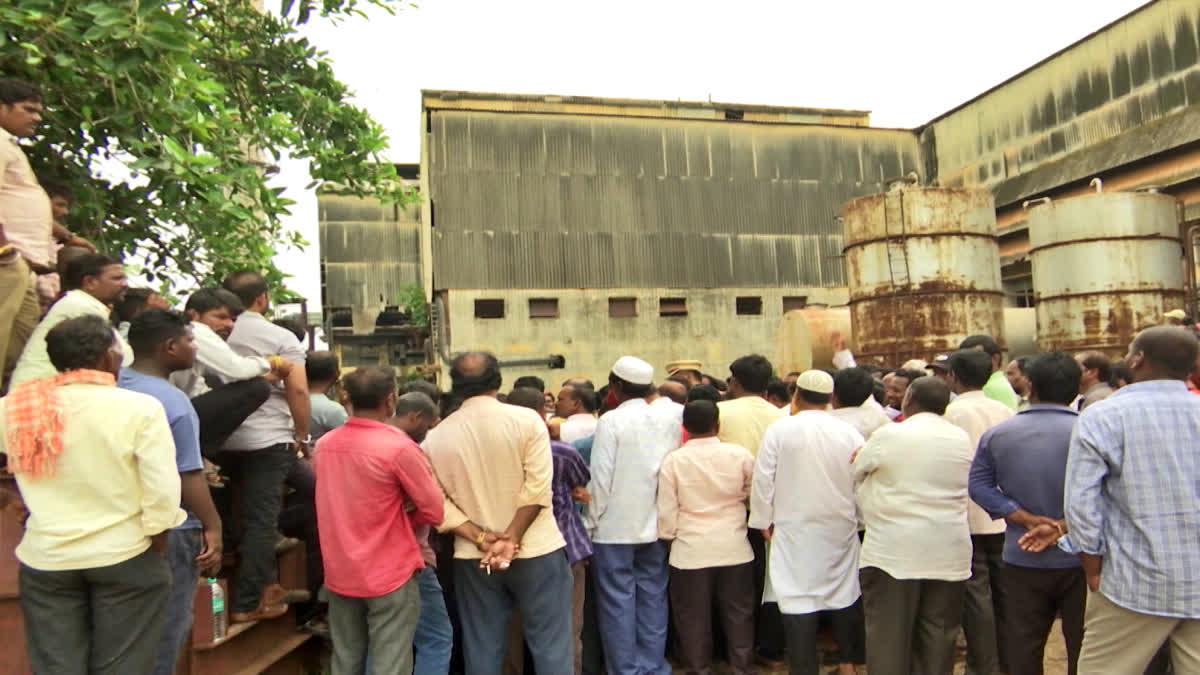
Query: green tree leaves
{"type": "Point", "coordinates": [196, 99]}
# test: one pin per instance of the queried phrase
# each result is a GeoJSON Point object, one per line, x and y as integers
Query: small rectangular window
{"type": "Point", "coordinates": [749, 305]}
{"type": "Point", "coordinates": [490, 308]}
{"type": "Point", "coordinates": [734, 114]}
{"type": "Point", "coordinates": [672, 306]}
{"type": "Point", "coordinates": [791, 302]}
{"type": "Point", "coordinates": [543, 308]}
{"type": "Point", "coordinates": [622, 308]}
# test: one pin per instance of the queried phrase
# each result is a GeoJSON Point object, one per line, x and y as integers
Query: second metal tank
{"type": "Point", "coordinates": [923, 270]}
{"type": "Point", "coordinates": [1105, 266]}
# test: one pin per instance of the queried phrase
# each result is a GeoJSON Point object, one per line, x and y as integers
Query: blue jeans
{"type": "Point", "coordinates": [182, 548]}
{"type": "Point", "coordinates": [541, 588]}
{"type": "Point", "coordinates": [434, 639]}
{"type": "Point", "coordinates": [631, 607]}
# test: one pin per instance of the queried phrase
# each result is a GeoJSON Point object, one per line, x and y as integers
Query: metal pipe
{"type": "Point", "coordinates": [1036, 202]}
{"type": "Point", "coordinates": [1098, 184]}
{"type": "Point", "coordinates": [553, 362]}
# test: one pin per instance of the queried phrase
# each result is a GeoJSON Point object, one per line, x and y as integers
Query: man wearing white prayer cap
{"type": "Point", "coordinates": [630, 562]}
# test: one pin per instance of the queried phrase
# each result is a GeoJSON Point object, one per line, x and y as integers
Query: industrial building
{"type": "Point", "coordinates": [593, 227]}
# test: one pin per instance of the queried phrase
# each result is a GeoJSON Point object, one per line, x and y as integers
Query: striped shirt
{"type": "Point", "coordinates": [1133, 496]}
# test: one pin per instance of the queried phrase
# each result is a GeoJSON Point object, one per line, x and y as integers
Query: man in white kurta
{"type": "Point", "coordinates": [802, 498]}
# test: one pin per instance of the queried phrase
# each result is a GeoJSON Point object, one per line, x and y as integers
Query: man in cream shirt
{"type": "Point", "coordinates": [974, 412]}
{"type": "Point", "coordinates": [916, 556]}
{"type": "Point", "coordinates": [100, 481]}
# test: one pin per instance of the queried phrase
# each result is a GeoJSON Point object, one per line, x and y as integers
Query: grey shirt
{"type": "Point", "coordinates": [271, 424]}
{"type": "Point", "coordinates": [326, 415]}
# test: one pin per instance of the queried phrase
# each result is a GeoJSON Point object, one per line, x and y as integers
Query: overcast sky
{"type": "Point", "coordinates": [905, 61]}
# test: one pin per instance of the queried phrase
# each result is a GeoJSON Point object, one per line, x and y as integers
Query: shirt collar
{"type": "Point", "coordinates": [88, 298]}
{"type": "Point", "coordinates": [583, 415]}
{"type": "Point", "coordinates": [4, 135]}
{"type": "Point", "coordinates": [1154, 385]}
{"type": "Point", "coordinates": [370, 424]}
{"type": "Point", "coordinates": [707, 440]}
{"type": "Point", "coordinates": [968, 395]}
{"type": "Point", "coordinates": [633, 402]}
{"type": "Point", "coordinates": [478, 401]}
{"type": "Point", "coordinates": [1051, 407]}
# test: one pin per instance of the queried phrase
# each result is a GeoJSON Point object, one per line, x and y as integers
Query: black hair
{"type": "Point", "coordinates": [293, 325]}
{"type": "Point", "coordinates": [133, 303]}
{"type": "Point", "coordinates": [1169, 350]}
{"type": "Point", "coordinates": [1100, 363]}
{"type": "Point", "coordinates": [813, 397]}
{"type": "Point", "coordinates": [909, 374]}
{"type": "Point", "coordinates": [530, 381]}
{"type": "Point", "coordinates": [527, 397]}
{"type": "Point", "coordinates": [321, 367]}
{"type": "Point", "coordinates": [1053, 377]}
{"type": "Point", "coordinates": [779, 389]}
{"type": "Point", "coordinates": [700, 417]}
{"type": "Point", "coordinates": [1120, 373]}
{"type": "Point", "coordinates": [879, 391]}
{"type": "Point", "coordinates": [795, 374]}
{"type": "Point", "coordinates": [423, 387]}
{"type": "Point", "coordinates": [714, 382]}
{"type": "Point", "coordinates": [971, 367]}
{"type": "Point", "coordinates": [369, 386]}
{"type": "Point", "coordinates": [703, 392]}
{"type": "Point", "coordinates": [208, 299]}
{"type": "Point", "coordinates": [631, 390]}
{"type": "Point", "coordinates": [56, 188]}
{"type": "Point", "coordinates": [930, 394]}
{"type": "Point", "coordinates": [602, 398]}
{"type": "Point", "coordinates": [13, 91]}
{"type": "Point", "coordinates": [1023, 364]}
{"type": "Point", "coordinates": [153, 327]}
{"type": "Point", "coordinates": [853, 386]}
{"type": "Point", "coordinates": [84, 266]}
{"type": "Point", "coordinates": [579, 382]}
{"type": "Point", "coordinates": [753, 372]}
{"type": "Point", "coordinates": [473, 374]}
{"type": "Point", "coordinates": [247, 285]}
{"type": "Point", "coordinates": [79, 343]}
{"type": "Point", "coordinates": [418, 402]}
{"type": "Point", "coordinates": [990, 346]}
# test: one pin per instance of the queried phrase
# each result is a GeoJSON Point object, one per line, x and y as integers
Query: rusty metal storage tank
{"type": "Point", "coordinates": [1105, 265]}
{"type": "Point", "coordinates": [923, 270]}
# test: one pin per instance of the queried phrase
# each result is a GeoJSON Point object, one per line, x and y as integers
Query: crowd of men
{"type": "Point", "coordinates": [615, 529]}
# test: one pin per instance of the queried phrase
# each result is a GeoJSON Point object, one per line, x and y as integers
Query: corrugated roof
{"type": "Point", "coordinates": [557, 201]}
{"type": "Point", "coordinates": [1135, 144]}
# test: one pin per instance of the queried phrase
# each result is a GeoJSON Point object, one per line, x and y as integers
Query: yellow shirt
{"type": "Point", "coordinates": [114, 486]}
{"type": "Point", "coordinates": [491, 459]}
{"type": "Point", "coordinates": [35, 362]}
{"type": "Point", "coordinates": [744, 421]}
{"type": "Point", "coordinates": [24, 205]}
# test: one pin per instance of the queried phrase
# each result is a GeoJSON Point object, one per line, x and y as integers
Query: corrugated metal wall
{"type": "Point", "coordinates": [369, 251]}
{"type": "Point", "coordinates": [555, 201]}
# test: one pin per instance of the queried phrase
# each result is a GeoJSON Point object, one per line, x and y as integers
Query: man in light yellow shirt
{"type": "Point", "coordinates": [494, 463]}
{"type": "Point", "coordinates": [100, 482]}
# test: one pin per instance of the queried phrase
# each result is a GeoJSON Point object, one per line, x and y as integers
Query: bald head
{"type": "Point", "coordinates": [370, 388]}
{"type": "Point", "coordinates": [475, 374]}
{"type": "Point", "coordinates": [927, 394]}
{"type": "Point", "coordinates": [674, 390]}
{"type": "Point", "coordinates": [1163, 353]}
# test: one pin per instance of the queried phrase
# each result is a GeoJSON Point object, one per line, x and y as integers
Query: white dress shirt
{"type": "Point", "coordinates": [35, 361]}
{"type": "Point", "coordinates": [865, 418]}
{"type": "Point", "coordinates": [577, 426]}
{"type": "Point", "coordinates": [670, 407]}
{"type": "Point", "coordinates": [702, 491]}
{"type": "Point", "coordinates": [975, 413]}
{"type": "Point", "coordinates": [804, 485]}
{"type": "Point", "coordinates": [631, 442]}
{"type": "Point", "coordinates": [214, 356]}
{"type": "Point", "coordinates": [913, 497]}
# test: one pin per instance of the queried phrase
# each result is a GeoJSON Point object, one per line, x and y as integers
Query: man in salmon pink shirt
{"type": "Point", "coordinates": [372, 559]}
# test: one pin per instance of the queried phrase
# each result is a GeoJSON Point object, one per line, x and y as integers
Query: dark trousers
{"type": "Point", "coordinates": [182, 548]}
{"type": "Point", "coordinates": [222, 410]}
{"type": "Point", "coordinates": [693, 593]}
{"type": "Point", "coordinates": [540, 588]}
{"type": "Point", "coordinates": [382, 625]}
{"type": "Point", "coordinates": [299, 519]}
{"type": "Point", "coordinates": [768, 622]}
{"type": "Point", "coordinates": [103, 620]}
{"type": "Point", "coordinates": [801, 632]}
{"type": "Point", "coordinates": [593, 648]}
{"type": "Point", "coordinates": [912, 623]}
{"type": "Point", "coordinates": [258, 478]}
{"type": "Point", "coordinates": [983, 608]}
{"type": "Point", "coordinates": [1034, 597]}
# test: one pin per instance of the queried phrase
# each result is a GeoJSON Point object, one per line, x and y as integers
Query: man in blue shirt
{"type": "Point", "coordinates": [162, 344]}
{"type": "Point", "coordinates": [1018, 475]}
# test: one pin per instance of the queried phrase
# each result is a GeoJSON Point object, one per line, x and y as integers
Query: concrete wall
{"type": "Point", "coordinates": [712, 332]}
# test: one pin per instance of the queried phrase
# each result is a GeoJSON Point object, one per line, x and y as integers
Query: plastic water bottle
{"type": "Point", "coordinates": [220, 619]}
